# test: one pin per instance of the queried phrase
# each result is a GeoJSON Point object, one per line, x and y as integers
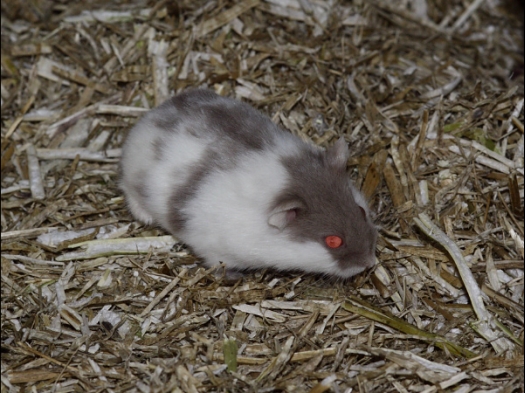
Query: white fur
{"type": "Point", "coordinates": [138, 156]}
{"type": "Point", "coordinates": [163, 176]}
{"type": "Point", "coordinates": [185, 151]}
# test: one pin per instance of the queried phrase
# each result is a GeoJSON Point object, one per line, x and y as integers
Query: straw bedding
{"type": "Point", "coordinates": [429, 95]}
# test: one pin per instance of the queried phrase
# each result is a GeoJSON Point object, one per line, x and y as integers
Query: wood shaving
{"type": "Point", "coordinates": [429, 96]}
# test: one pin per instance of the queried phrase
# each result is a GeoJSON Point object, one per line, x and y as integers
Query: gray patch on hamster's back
{"type": "Point", "coordinates": [330, 206]}
{"type": "Point", "coordinates": [201, 112]}
{"type": "Point", "coordinates": [239, 129]}
{"type": "Point", "coordinates": [241, 124]}
{"type": "Point", "coordinates": [171, 112]}
{"type": "Point", "coordinates": [158, 148]}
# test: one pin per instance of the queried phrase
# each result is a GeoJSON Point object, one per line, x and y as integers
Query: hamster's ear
{"type": "Point", "coordinates": [284, 213]}
{"type": "Point", "coordinates": [338, 154]}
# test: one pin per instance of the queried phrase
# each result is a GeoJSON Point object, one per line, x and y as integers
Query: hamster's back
{"type": "Point", "coordinates": [204, 114]}
{"type": "Point", "coordinates": [174, 146]}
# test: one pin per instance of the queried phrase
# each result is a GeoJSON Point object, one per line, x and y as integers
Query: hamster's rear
{"type": "Point", "coordinates": [223, 178]}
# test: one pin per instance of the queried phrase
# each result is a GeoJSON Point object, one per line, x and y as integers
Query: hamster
{"type": "Point", "coordinates": [224, 179]}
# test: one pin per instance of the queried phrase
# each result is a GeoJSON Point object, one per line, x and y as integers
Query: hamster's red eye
{"type": "Point", "coordinates": [333, 241]}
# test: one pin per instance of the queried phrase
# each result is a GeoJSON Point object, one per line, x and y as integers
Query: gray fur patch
{"type": "Point", "coordinates": [191, 99]}
{"type": "Point", "coordinates": [184, 106]}
{"type": "Point", "coordinates": [158, 148]}
{"type": "Point", "coordinates": [330, 208]}
{"type": "Point", "coordinates": [165, 117]}
{"type": "Point", "coordinates": [182, 194]}
{"type": "Point", "coordinates": [166, 121]}
{"type": "Point", "coordinates": [201, 112]}
{"type": "Point", "coordinates": [140, 190]}
{"type": "Point", "coordinates": [241, 124]}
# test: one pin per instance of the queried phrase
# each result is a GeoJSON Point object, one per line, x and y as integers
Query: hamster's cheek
{"type": "Point", "coordinates": [308, 256]}
{"type": "Point", "coordinates": [314, 258]}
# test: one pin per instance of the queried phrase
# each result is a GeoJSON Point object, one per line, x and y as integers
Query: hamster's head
{"type": "Point", "coordinates": [321, 206]}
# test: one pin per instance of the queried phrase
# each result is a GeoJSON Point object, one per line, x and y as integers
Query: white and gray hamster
{"type": "Point", "coordinates": [224, 179]}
